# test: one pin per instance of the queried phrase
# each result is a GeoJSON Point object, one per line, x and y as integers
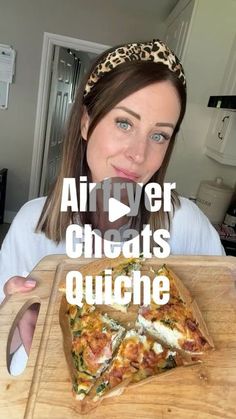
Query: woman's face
{"type": "Point", "coordinates": [132, 139]}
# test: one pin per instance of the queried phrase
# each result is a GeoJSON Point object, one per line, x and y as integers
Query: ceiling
{"type": "Point", "coordinates": [161, 8]}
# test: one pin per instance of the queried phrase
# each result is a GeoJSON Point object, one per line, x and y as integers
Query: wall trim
{"type": "Point", "coordinates": [49, 41]}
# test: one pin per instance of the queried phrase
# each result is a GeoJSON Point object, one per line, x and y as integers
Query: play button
{"type": "Point", "coordinates": [116, 206]}
{"type": "Point", "coordinates": [116, 209]}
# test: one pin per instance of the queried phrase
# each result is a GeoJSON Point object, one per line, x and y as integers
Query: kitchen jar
{"type": "Point", "coordinates": [213, 198]}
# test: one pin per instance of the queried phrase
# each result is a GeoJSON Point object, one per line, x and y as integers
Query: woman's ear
{"type": "Point", "coordinates": [85, 124]}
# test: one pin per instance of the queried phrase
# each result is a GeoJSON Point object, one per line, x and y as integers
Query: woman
{"type": "Point", "coordinates": [123, 124]}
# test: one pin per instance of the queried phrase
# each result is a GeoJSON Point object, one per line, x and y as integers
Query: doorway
{"type": "Point", "coordinates": [67, 59]}
{"type": "Point", "coordinates": [68, 69]}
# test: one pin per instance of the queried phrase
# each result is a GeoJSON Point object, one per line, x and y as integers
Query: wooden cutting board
{"type": "Point", "coordinates": [203, 391]}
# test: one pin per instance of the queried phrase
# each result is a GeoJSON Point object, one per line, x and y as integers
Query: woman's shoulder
{"type": "Point", "coordinates": [34, 204]}
{"type": "Point", "coordinates": [189, 216]}
{"type": "Point", "coordinates": [192, 233]}
{"type": "Point", "coordinates": [31, 210]}
{"type": "Point", "coordinates": [190, 210]}
{"type": "Point", "coordinates": [26, 219]}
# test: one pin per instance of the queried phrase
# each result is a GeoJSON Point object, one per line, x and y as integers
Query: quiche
{"type": "Point", "coordinates": [95, 337]}
{"type": "Point", "coordinates": [111, 347]}
{"type": "Point", "coordinates": [179, 323]}
{"type": "Point", "coordinates": [139, 357]}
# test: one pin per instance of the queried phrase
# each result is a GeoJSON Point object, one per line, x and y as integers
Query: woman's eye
{"type": "Point", "coordinates": [159, 137]}
{"type": "Point", "coordinates": [125, 125]}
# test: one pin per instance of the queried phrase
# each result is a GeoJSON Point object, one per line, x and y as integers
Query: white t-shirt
{"type": "Point", "coordinates": [191, 234]}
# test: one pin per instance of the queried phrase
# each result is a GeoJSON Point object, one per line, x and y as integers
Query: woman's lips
{"type": "Point", "coordinates": [126, 174]}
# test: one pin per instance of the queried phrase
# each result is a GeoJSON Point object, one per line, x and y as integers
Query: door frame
{"type": "Point", "coordinates": [49, 41]}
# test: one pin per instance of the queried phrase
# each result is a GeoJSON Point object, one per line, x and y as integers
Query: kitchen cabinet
{"type": "Point", "coordinates": [202, 35]}
{"type": "Point", "coordinates": [221, 141]}
{"type": "Point", "coordinates": [221, 137]}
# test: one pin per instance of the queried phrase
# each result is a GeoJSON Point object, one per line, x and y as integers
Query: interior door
{"type": "Point", "coordinates": [65, 74]}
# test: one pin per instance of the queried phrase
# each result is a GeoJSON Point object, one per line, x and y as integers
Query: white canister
{"type": "Point", "coordinates": [213, 198]}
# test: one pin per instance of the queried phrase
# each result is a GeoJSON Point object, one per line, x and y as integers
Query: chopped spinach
{"type": "Point", "coordinates": [78, 361]}
{"type": "Point", "coordinates": [170, 363]}
{"type": "Point", "coordinates": [72, 322]}
{"type": "Point", "coordinates": [75, 360]}
{"type": "Point", "coordinates": [77, 333]}
{"type": "Point", "coordinates": [82, 391]}
{"type": "Point", "coordinates": [75, 387]}
{"type": "Point", "coordinates": [81, 362]}
{"type": "Point", "coordinates": [101, 387]}
{"type": "Point", "coordinates": [168, 322]}
{"type": "Point", "coordinates": [114, 325]}
{"type": "Point", "coordinates": [179, 299]}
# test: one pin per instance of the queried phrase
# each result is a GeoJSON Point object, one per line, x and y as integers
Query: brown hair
{"type": "Point", "coordinates": [113, 87]}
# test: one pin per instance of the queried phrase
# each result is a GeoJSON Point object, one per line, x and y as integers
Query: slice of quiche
{"type": "Point", "coordinates": [138, 357]}
{"type": "Point", "coordinates": [179, 323]}
{"type": "Point", "coordinates": [95, 337]}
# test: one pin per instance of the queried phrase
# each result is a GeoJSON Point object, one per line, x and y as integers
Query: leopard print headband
{"type": "Point", "coordinates": [155, 51]}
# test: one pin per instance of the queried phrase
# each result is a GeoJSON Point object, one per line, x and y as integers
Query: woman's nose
{"type": "Point", "coordinates": [137, 150]}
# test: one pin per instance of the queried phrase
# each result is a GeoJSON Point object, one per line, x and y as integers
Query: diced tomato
{"type": "Point", "coordinates": [150, 359]}
{"type": "Point", "coordinates": [191, 324]}
{"type": "Point", "coordinates": [189, 345]}
{"type": "Point", "coordinates": [90, 359]}
{"type": "Point", "coordinates": [114, 381]}
{"type": "Point", "coordinates": [132, 350]}
{"type": "Point", "coordinates": [116, 375]}
{"type": "Point", "coordinates": [145, 311]}
{"type": "Point", "coordinates": [117, 372]}
{"type": "Point", "coordinates": [202, 341]}
{"type": "Point", "coordinates": [98, 341]}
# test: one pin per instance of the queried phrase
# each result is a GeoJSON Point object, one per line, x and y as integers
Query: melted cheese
{"type": "Point", "coordinates": [160, 331]}
{"type": "Point", "coordinates": [140, 338]}
{"type": "Point", "coordinates": [157, 348]}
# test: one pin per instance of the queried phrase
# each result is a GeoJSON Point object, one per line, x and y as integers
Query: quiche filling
{"type": "Point", "coordinates": [139, 357]}
{"type": "Point", "coordinates": [95, 337]}
{"type": "Point", "coordinates": [106, 356]}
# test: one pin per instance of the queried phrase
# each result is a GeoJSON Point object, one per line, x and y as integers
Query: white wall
{"type": "Point", "coordinates": [22, 24]}
{"type": "Point", "coordinates": [209, 45]}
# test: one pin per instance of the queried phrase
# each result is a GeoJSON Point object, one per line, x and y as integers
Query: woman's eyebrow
{"type": "Point", "coordinates": [165, 124]}
{"type": "Point", "coordinates": [136, 115]}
